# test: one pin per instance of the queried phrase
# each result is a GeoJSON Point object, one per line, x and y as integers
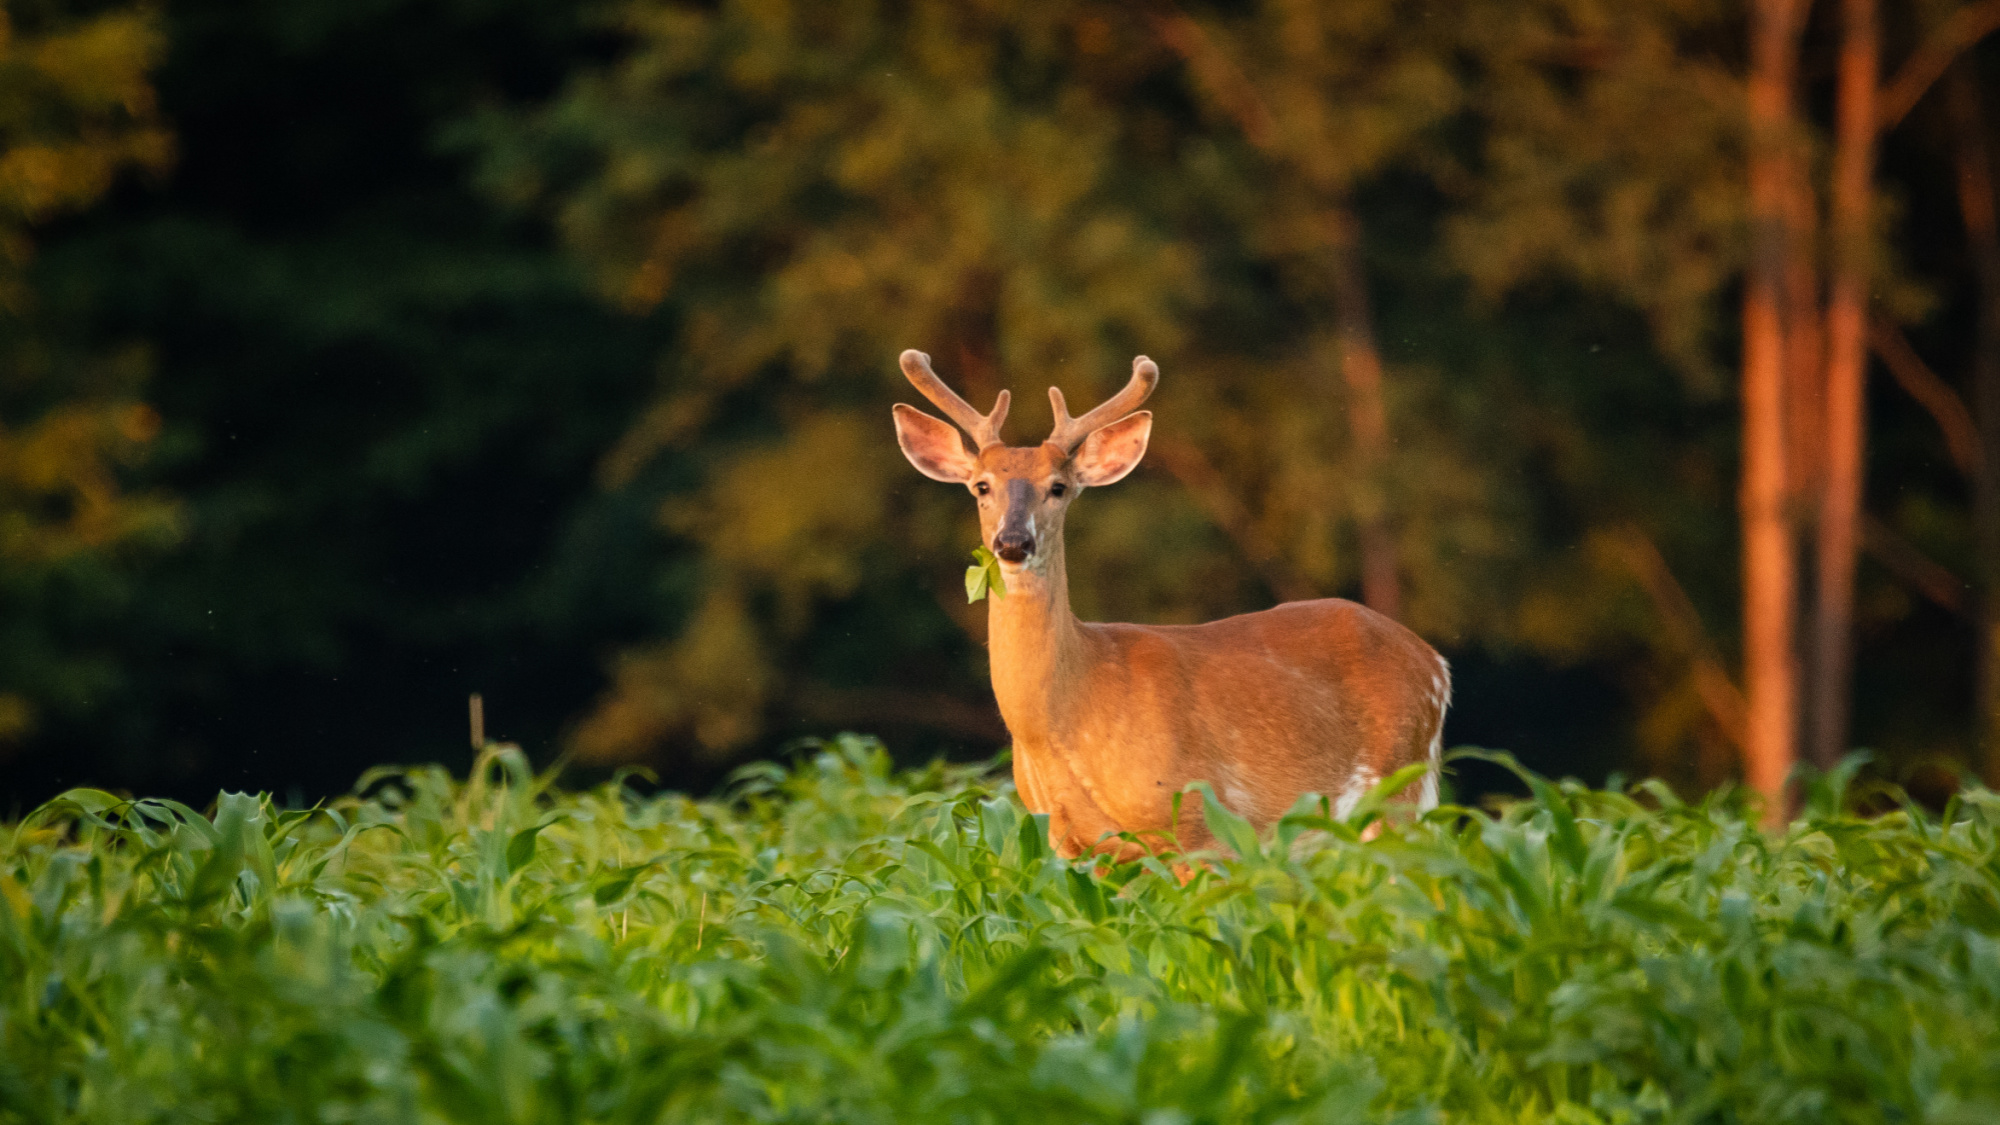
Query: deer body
{"type": "Point", "coordinates": [1111, 721]}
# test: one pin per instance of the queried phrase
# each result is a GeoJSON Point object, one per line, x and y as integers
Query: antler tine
{"type": "Point", "coordinates": [1070, 432]}
{"type": "Point", "coordinates": [984, 429]}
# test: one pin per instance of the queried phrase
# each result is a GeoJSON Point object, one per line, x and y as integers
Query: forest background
{"type": "Point", "coordinates": [1643, 355]}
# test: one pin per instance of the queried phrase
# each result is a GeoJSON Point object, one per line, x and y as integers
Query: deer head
{"type": "Point", "coordinates": [1024, 492]}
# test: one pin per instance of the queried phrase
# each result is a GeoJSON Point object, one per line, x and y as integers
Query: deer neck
{"type": "Point", "coordinates": [1036, 648]}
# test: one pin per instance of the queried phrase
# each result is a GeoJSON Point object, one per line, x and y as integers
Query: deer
{"type": "Point", "coordinates": [1112, 722]}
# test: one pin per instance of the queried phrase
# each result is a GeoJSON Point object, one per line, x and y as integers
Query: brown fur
{"type": "Point", "coordinates": [1111, 721]}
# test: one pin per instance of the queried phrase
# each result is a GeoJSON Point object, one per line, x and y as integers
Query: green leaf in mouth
{"type": "Point", "coordinates": [983, 575]}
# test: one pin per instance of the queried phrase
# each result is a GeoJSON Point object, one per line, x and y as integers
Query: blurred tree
{"type": "Point", "coordinates": [381, 406]}
{"type": "Point", "coordinates": [1329, 97]}
{"type": "Point", "coordinates": [1780, 342]}
{"type": "Point", "coordinates": [811, 187]}
{"type": "Point", "coordinates": [1038, 191]}
{"type": "Point", "coordinates": [76, 110]}
{"type": "Point", "coordinates": [1572, 178]}
{"type": "Point", "coordinates": [1851, 203]}
{"type": "Point", "coordinates": [1974, 435]}
{"type": "Point", "coordinates": [1439, 302]}
{"type": "Point", "coordinates": [1944, 48]}
{"type": "Point", "coordinates": [1667, 223]}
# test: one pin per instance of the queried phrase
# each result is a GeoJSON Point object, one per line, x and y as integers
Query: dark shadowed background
{"type": "Point", "coordinates": [356, 356]}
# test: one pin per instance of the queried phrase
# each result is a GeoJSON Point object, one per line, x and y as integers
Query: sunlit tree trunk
{"type": "Point", "coordinates": [1769, 563]}
{"type": "Point", "coordinates": [1367, 411]}
{"type": "Point", "coordinates": [1976, 204]}
{"type": "Point", "coordinates": [1846, 369]}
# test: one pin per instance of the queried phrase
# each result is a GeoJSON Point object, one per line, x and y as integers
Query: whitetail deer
{"type": "Point", "coordinates": [1111, 721]}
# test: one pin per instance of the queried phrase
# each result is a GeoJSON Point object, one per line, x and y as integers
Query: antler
{"type": "Point", "coordinates": [983, 428]}
{"type": "Point", "coordinates": [1070, 432]}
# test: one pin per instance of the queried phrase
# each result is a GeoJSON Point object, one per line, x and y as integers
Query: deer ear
{"type": "Point", "coordinates": [1112, 451]}
{"type": "Point", "coordinates": [934, 447]}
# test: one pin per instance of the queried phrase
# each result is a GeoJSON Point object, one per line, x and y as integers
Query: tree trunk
{"type": "Point", "coordinates": [1976, 204]}
{"type": "Point", "coordinates": [1846, 383]}
{"type": "Point", "coordinates": [1769, 560]}
{"type": "Point", "coordinates": [1367, 412]}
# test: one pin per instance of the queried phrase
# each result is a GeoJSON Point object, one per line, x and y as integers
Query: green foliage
{"type": "Point", "coordinates": [987, 177]}
{"type": "Point", "coordinates": [838, 942]}
{"type": "Point", "coordinates": [389, 411]}
{"type": "Point", "coordinates": [379, 406]}
{"type": "Point", "coordinates": [77, 109]}
{"type": "Point", "coordinates": [1575, 179]}
{"type": "Point", "coordinates": [983, 575]}
{"type": "Point", "coordinates": [1036, 193]}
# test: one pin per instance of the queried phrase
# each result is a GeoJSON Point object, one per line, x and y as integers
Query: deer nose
{"type": "Point", "coordinates": [1013, 546]}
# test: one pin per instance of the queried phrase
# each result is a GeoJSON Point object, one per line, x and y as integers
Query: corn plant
{"type": "Point", "coordinates": [837, 941]}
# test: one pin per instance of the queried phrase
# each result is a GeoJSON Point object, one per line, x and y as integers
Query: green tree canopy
{"type": "Point", "coordinates": [1035, 194]}
{"type": "Point", "coordinates": [76, 110]}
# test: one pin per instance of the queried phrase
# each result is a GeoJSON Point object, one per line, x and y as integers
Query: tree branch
{"type": "Point", "coordinates": [1236, 94]}
{"type": "Point", "coordinates": [1712, 682]}
{"type": "Point", "coordinates": [1217, 73]}
{"type": "Point", "coordinates": [1901, 558]}
{"type": "Point", "coordinates": [1932, 58]}
{"type": "Point", "coordinates": [1190, 466]}
{"type": "Point", "coordinates": [1961, 433]}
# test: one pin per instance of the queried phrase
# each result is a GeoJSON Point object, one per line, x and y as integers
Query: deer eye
{"type": "Point", "coordinates": [1058, 488]}
{"type": "Point", "coordinates": [983, 488]}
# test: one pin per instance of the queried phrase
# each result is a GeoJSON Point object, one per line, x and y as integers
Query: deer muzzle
{"type": "Point", "coordinates": [1013, 548]}
{"type": "Point", "coordinates": [1015, 540]}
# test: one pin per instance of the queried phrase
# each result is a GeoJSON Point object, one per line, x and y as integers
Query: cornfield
{"type": "Point", "coordinates": [840, 941]}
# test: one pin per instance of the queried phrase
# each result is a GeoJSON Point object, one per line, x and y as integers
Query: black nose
{"type": "Point", "coordinates": [1014, 548]}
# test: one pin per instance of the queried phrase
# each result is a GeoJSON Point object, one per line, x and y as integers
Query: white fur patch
{"type": "Point", "coordinates": [1427, 789]}
{"type": "Point", "coordinates": [1427, 792]}
{"type": "Point", "coordinates": [1357, 787]}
